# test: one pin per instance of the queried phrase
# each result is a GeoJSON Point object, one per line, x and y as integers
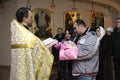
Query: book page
{"type": "Point", "coordinates": [49, 41]}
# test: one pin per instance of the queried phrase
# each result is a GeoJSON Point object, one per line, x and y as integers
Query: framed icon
{"type": "Point", "coordinates": [97, 19]}
{"type": "Point", "coordinates": [69, 18]}
{"type": "Point", "coordinates": [43, 23]}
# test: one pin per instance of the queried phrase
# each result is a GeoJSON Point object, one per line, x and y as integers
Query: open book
{"type": "Point", "coordinates": [50, 41]}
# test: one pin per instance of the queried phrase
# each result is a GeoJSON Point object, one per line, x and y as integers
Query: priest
{"type": "Point", "coordinates": [30, 59]}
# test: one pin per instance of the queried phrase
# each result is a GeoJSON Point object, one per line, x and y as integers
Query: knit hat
{"type": "Point", "coordinates": [109, 29]}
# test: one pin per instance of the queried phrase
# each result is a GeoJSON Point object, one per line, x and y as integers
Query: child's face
{"type": "Point", "coordinates": [67, 35]}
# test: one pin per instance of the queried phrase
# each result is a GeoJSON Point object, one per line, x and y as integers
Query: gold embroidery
{"type": "Point", "coordinates": [24, 45]}
{"type": "Point", "coordinates": [27, 63]}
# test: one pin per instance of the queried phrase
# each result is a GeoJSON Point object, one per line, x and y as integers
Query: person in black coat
{"type": "Point", "coordinates": [59, 36]}
{"type": "Point", "coordinates": [116, 48]}
{"type": "Point", "coordinates": [105, 61]}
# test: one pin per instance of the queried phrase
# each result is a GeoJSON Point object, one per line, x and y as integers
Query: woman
{"type": "Point", "coordinates": [65, 67]}
{"type": "Point", "coordinates": [105, 69]}
{"type": "Point", "coordinates": [69, 37]}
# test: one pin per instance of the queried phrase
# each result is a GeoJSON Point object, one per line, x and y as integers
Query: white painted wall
{"type": "Point", "coordinates": [64, 5]}
{"type": "Point", "coordinates": [5, 17]}
{"type": "Point", "coordinates": [7, 14]}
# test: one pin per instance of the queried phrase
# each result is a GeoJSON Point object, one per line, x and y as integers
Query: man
{"type": "Point", "coordinates": [30, 59]}
{"type": "Point", "coordinates": [24, 16]}
{"type": "Point", "coordinates": [116, 48]}
{"type": "Point", "coordinates": [86, 66]}
{"type": "Point", "coordinates": [59, 36]}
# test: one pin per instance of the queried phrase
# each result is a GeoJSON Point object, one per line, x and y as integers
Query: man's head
{"type": "Point", "coordinates": [24, 16]}
{"type": "Point", "coordinates": [59, 31]}
{"type": "Point", "coordinates": [117, 23]}
{"type": "Point", "coordinates": [79, 26]}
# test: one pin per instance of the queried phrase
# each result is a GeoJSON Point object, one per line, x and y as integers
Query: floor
{"type": "Point", "coordinates": [5, 72]}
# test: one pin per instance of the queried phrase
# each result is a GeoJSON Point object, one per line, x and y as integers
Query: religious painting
{"type": "Point", "coordinates": [43, 23]}
{"type": "Point", "coordinates": [97, 19]}
{"type": "Point", "coordinates": [69, 18]}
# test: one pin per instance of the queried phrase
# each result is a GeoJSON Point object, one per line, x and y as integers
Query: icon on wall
{"type": "Point", "coordinates": [43, 20]}
{"type": "Point", "coordinates": [97, 19]}
{"type": "Point", "coordinates": [69, 18]}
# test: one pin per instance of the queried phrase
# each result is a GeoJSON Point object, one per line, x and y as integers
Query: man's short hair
{"type": "Point", "coordinates": [80, 22]}
{"type": "Point", "coordinates": [21, 13]}
{"type": "Point", "coordinates": [59, 28]}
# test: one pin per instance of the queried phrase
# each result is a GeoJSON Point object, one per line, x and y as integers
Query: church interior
{"type": "Point", "coordinates": [57, 10]}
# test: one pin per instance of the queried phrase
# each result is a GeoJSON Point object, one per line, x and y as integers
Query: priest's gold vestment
{"type": "Point", "coordinates": [30, 59]}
